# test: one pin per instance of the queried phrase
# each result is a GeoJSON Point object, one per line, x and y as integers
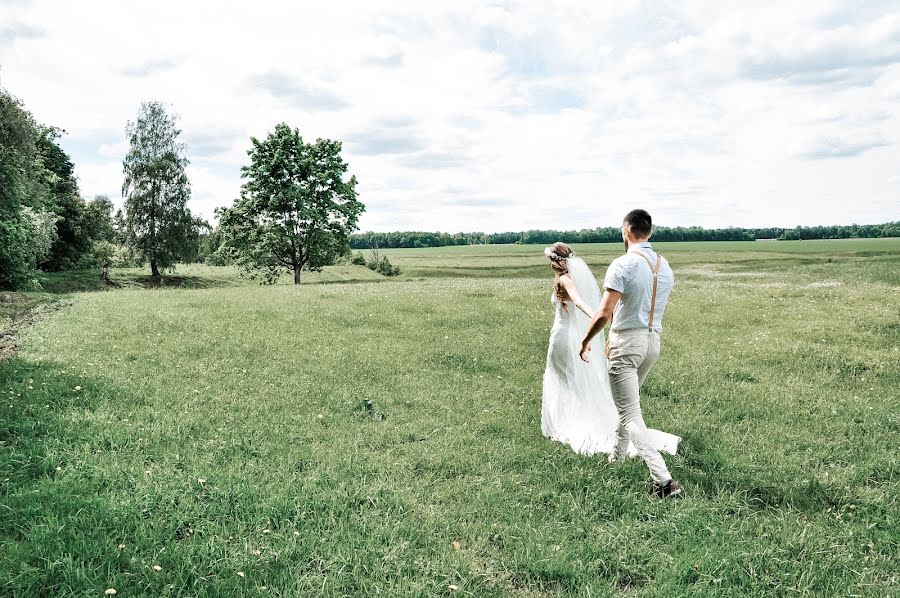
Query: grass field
{"type": "Point", "coordinates": [382, 437]}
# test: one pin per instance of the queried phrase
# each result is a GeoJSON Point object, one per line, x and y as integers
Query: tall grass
{"type": "Point", "coordinates": [384, 439]}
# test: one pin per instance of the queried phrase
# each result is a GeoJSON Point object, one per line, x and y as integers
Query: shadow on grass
{"type": "Point", "coordinates": [709, 471]}
{"type": "Point", "coordinates": [49, 512]}
{"type": "Point", "coordinates": [81, 281]}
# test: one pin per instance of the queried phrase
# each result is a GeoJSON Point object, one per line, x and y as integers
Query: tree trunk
{"type": "Point", "coordinates": [297, 269]}
{"type": "Point", "coordinates": [154, 268]}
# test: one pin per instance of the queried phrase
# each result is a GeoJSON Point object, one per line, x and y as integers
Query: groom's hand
{"type": "Point", "coordinates": [585, 349]}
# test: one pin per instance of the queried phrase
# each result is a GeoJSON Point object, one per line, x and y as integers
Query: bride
{"type": "Point", "coordinates": [577, 406]}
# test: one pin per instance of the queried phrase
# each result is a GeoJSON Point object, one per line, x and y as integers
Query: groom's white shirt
{"type": "Point", "coordinates": [631, 275]}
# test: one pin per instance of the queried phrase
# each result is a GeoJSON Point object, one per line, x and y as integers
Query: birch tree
{"type": "Point", "coordinates": [158, 224]}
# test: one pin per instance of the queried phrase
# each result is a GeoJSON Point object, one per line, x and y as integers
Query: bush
{"type": "Point", "coordinates": [22, 232]}
{"type": "Point", "coordinates": [103, 252]}
{"type": "Point", "coordinates": [219, 257]}
{"type": "Point", "coordinates": [386, 268]}
{"type": "Point", "coordinates": [87, 261]}
{"type": "Point", "coordinates": [126, 257]}
{"type": "Point", "coordinates": [358, 259]}
{"type": "Point", "coordinates": [43, 224]}
{"type": "Point", "coordinates": [16, 250]}
{"type": "Point", "coordinates": [383, 266]}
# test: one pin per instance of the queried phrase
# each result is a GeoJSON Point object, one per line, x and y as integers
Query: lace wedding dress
{"type": "Point", "coordinates": [577, 406]}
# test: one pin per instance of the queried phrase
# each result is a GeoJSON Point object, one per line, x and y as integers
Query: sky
{"type": "Point", "coordinates": [494, 116]}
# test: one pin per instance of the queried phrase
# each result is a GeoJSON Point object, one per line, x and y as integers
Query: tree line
{"type": "Point", "coordinates": [296, 209]}
{"type": "Point", "coordinates": [44, 222]}
{"type": "Point", "coordinates": [614, 235]}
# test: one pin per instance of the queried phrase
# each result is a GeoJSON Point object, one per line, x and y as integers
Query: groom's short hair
{"type": "Point", "coordinates": [639, 223]}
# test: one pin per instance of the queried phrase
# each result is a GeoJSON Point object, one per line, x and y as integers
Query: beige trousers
{"type": "Point", "coordinates": [632, 353]}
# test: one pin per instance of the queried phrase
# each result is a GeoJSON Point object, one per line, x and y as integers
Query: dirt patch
{"type": "Point", "coordinates": [18, 311]}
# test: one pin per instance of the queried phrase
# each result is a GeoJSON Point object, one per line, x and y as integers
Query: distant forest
{"type": "Point", "coordinates": [614, 235]}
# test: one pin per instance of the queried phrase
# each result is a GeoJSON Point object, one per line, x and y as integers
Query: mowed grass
{"type": "Point", "coordinates": [384, 438]}
{"type": "Point", "coordinates": [760, 256]}
{"type": "Point", "coordinates": [190, 276]}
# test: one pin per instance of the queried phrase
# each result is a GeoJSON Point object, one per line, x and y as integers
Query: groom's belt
{"type": "Point", "coordinates": [635, 329]}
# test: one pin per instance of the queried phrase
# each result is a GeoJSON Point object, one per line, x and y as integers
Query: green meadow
{"type": "Point", "coordinates": [369, 436]}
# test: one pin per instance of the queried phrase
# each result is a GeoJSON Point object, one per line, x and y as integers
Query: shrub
{"type": "Point", "coordinates": [219, 257]}
{"type": "Point", "coordinates": [103, 252]}
{"type": "Point", "coordinates": [358, 259]}
{"type": "Point", "coordinates": [126, 257]}
{"type": "Point", "coordinates": [16, 250]}
{"type": "Point", "coordinates": [43, 224]}
{"type": "Point", "coordinates": [386, 268]}
{"type": "Point", "coordinates": [383, 266]}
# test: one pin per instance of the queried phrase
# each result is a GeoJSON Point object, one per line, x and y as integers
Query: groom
{"type": "Point", "coordinates": [637, 287]}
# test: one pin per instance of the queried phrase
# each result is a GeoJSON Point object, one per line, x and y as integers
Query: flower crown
{"type": "Point", "coordinates": [555, 256]}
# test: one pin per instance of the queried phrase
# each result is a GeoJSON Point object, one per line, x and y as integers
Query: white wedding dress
{"type": "Point", "coordinates": [577, 407]}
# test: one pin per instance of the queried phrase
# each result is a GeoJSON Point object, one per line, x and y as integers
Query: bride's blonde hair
{"type": "Point", "coordinates": [558, 254]}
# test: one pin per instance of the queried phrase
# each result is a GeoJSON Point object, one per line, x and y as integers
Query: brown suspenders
{"type": "Point", "coordinates": [655, 280]}
{"type": "Point", "coordinates": [655, 271]}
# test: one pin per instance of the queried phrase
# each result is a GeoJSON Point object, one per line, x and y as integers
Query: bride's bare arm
{"type": "Point", "coordinates": [572, 291]}
{"type": "Point", "coordinates": [604, 315]}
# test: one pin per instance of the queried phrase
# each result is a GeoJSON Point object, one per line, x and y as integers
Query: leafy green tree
{"type": "Point", "coordinates": [103, 251]}
{"type": "Point", "coordinates": [98, 219]}
{"type": "Point", "coordinates": [120, 227]}
{"type": "Point", "coordinates": [16, 254]}
{"type": "Point", "coordinates": [296, 209]}
{"type": "Point", "coordinates": [20, 186]}
{"type": "Point", "coordinates": [158, 224]}
{"type": "Point", "coordinates": [211, 250]}
{"type": "Point", "coordinates": [72, 240]}
{"type": "Point", "coordinates": [194, 250]}
{"type": "Point", "coordinates": [43, 224]}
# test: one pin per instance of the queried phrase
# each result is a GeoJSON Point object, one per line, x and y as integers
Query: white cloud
{"type": "Point", "coordinates": [495, 116]}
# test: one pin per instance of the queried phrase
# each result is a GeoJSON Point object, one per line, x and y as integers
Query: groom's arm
{"type": "Point", "coordinates": [600, 320]}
